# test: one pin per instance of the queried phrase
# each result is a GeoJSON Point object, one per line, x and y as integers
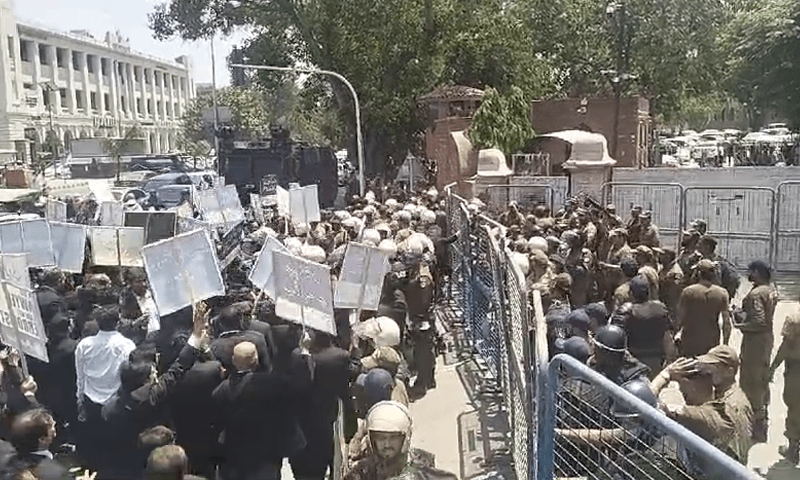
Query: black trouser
{"type": "Point", "coordinates": [424, 358]}
{"type": "Point", "coordinates": [91, 436]}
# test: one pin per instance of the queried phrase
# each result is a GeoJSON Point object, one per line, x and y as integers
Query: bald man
{"type": "Point", "coordinates": [256, 417]}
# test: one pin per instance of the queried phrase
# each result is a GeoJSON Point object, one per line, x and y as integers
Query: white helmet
{"type": "Point", "coordinates": [313, 253]}
{"type": "Point", "coordinates": [388, 247]}
{"type": "Point", "coordinates": [371, 237]}
{"type": "Point", "coordinates": [294, 245]}
{"type": "Point", "coordinates": [302, 229]}
{"type": "Point", "coordinates": [522, 262]}
{"type": "Point", "coordinates": [427, 216]}
{"type": "Point", "coordinates": [537, 243]}
{"type": "Point", "coordinates": [382, 330]}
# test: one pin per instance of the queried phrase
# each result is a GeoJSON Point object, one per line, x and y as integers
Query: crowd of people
{"type": "Point", "coordinates": [644, 315]}
{"type": "Point", "coordinates": [225, 388]}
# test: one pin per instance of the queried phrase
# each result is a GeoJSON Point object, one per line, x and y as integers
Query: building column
{"type": "Point", "coordinates": [71, 86]}
{"type": "Point", "coordinates": [101, 97]}
{"type": "Point", "coordinates": [113, 91]}
{"type": "Point", "coordinates": [98, 84]}
{"type": "Point", "coordinates": [37, 73]}
{"type": "Point", "coordinates": [131, 91]}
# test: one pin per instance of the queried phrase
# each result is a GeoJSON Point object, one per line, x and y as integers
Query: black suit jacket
{"type": "Point", "coordinates": [191, 400]}
{"type": "Point", "coordinates": [222, 347]}
{"type": "Point", "coordinates": [265, 329]}
{"type": "Point", "coordinates": [57, 379]}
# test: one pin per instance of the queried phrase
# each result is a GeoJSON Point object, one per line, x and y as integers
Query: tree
{"type": "Point", "coordinates": [764, 47]}
{"type": "Point", "coordinates": [116, 147]}
{"type": "Point", "coordinates": [502, 122]}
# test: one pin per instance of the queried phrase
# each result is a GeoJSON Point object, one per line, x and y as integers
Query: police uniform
{"type": "Point", "coordinates": [757, 343]}
{"type": "Point", "coordinates": [419, 298]}
{"type": "Point", "coordinates": [790, 354]}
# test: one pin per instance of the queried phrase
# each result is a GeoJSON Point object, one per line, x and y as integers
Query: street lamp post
{"type": "Point", "coordinates": [359, 147]}
{"type": "Point", "coordinates": [49, 87]}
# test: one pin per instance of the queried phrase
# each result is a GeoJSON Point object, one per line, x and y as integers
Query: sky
{"type": "Point", "coordinates": [130, 18]}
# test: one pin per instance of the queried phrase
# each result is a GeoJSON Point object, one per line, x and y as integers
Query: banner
{"type": "Point", "coordinates": [21, 324]}
{"type": "Point", "coordinates": [186, 225]}
{"type": "Point", "coordinates": [282, 197]}
{"type": "Point", "coordinates": [304, 204]}
{"type": "Point", "coordinates": [182, 271]}
{"type": "Point", "coordinates": [157, 225]}
{"type": "Point", "coordinates": [269, 184]}
{"type": "Point", "coordinates": [303, 292]}
{"type": "Point", "coordinates": [55, 210]}
{"type": "Point", "coordinates": [69, 245]}
{"type": "Point", "coordinates": [263, 273]}
{"type": "Point", "coordinates": [117, 246]}
{"type": "Point", "coordinates": [31, 237]}
{"type": "Point", "coordinates": [361, 280]}
{"type": "Point", "coordinates": [111, 214]}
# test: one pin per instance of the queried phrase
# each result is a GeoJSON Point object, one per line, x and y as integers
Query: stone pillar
{"type": "Point", "coordinates": [71, 86]}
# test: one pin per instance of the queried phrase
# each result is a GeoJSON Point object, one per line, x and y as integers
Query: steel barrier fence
{"type": "Point", "coordinates": [559, 412]}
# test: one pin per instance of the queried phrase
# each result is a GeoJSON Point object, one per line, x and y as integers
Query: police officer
{"type": "Point", "coordinates": [419, 294]}
{"type": "Point", "coordinates": [755, 323]}
{"type": "Point", "coordinates": [789, 353]}
{"type": "Point", "coordinates": [612, 359]}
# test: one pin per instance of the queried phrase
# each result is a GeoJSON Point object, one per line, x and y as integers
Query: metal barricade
{"type": "Point", "coordinates": [526, 196]}
{"type": "Point", "coordinates": [597, 430]}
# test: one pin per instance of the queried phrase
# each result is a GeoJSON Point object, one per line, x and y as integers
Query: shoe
{"type": "Point", "coordinates": [791, 452]}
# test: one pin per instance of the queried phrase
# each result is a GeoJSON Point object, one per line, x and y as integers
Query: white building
{"type": "Point", "coordinates": [91, 87]}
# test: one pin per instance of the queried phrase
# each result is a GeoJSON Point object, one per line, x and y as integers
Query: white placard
{"type": "Point", "coordinates": [303, 292]}
{"type": "Point", "coordinates": [15, 270]}
{"type": "Point", "coordinates": [186, 225]}
{"type": "Point", "coordinates": [304, 204]}
{"type": "Point", "coordinates": [263, 273]}
{"type": "Point", "coordinates": [231, 205]}
{"type": "Point", "coordinates": [55, 210]}
{"type": "Point", "coordinates": [182, 271]}
{"type": "Point", "coordinates": [111, 214]}
{"type": "Point", "coordinates": [361, 279]}
{"type": "Point", "coordinates": [282, 197]}
{"type": "Point", "coordinates": [258, 209]}
{"type": "Point", "coordinates": [220, 207]}
{"type": "Point", "coordinates": [69, 245]}
{"type": "Point", "coordinates": [117, 246]}
{"type": "Point", "coordinates": [20, 320]}
{"type": "Point", "coordinates": [31, 237]}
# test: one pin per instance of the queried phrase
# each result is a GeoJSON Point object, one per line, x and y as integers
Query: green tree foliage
{"type": "Point", "coordinates": [502, 122]}
{"type": "Point", "coordinates": [248, 108]}
{"type": "Point", "coordinates": [764, 65]}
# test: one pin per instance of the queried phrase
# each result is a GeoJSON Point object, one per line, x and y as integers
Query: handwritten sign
{"type": "Point", "coordinates": [55, 210]}
{"type": "Point", "coordinates": [111, 214]}
{"type": "Point", "coordinates": [20, 320]}
{"type": "Point", "coordinates": [263, 273]}
{"type": "Point", "coordinates": [282, 197]}
{"type": "Point", "coordinates": [257, 207]}
{"type": "Point", "coordinates": [182, 271]}
{"type": "Point", "coordinates": [31, 237]}
{"type": "Point", "coordinates": [361, 280]}
{"type": "Point", "coordinates": [117, 246]}
{"type": "Point", "coordinates": [303, 292]}
{"type": "Point", "coordinates": [220, 207]}
{"type": "Point", "coordinates": [69, 245]}
{"type": "Point", "coordinates": [304, 204]}
{"type": "Point", "coordinates": [269, 184]}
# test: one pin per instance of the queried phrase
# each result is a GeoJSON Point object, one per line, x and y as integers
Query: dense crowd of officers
{"type": "Point", "coordinates": [644, 316]}
{"type": "Point", "coordinates": [225, 388]}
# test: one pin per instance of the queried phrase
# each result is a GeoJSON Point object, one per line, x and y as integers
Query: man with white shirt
{"type": "Point", "coordinates": [137, 281]}
{"type": "Point", "coordinates": [97, 362]}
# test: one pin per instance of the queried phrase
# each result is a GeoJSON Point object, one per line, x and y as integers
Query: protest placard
{"type": "Point", "coordinates": [186, 225]}
{"type": "Point", "coordinates": [263, 273]}
{"type": "Point", "coordinates": [220, 206]}
{"type": "Point", "coordinates": [69, 245]}
{"type": "Point", "coordinates": [303, 292]}
{"type": "Point", "coordinates": [282, 198]}
{"type": "Point", "coordinates": [257, 208]}
{"type": "Point", "coordinates": [157, 225]}
{"type": "Point", "coordinates": [111, 214]}
{"type": "Point", "coordinates": [361, 279]}
{"type": "Point", "coordinates": [21, 324]}
{"type": "Point", "coordinates": [269, 184]}
{"type": "Point", "coordinates": [304, 204]}
{"type": "Point", "coordinates": [116, 246]}
{"type": "Point", "coordinates": [31, 237]}
{"type": "Point", "coordinates": [182, 271]}
{"type": "Point", "coordinates": [230, 245]}
{"type": "Point", "coordinates": [55, 210]}
{"type": "Point", "coordinates": [231, 205]}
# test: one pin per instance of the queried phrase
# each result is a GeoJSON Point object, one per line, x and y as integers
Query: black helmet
{"type": "Point", "coordinates": [611, 338]}
{"type": "Point", "coordinates": [640, 389]}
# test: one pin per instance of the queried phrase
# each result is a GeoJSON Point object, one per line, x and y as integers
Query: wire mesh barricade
{"type": "Point", "coordinates": [598, 430]}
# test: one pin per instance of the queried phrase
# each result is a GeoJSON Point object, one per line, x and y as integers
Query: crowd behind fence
{"type": "Point", "coordinates": [560, 413]}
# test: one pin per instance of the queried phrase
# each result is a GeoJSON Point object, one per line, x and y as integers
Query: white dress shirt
{"type": "Point", "coordinates": [148, 307]}
{"type": "Point", "coordinates": [97, 362]}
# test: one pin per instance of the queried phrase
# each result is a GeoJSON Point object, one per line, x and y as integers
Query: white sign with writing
{"type": "Point", "coordinates": [69, 245]}
{"type": "Point", "coordinates": [304, 204]}
{"type": "Point", "coordinates": [282, 197]}
{"type": "Point", "coordinates": [117, 246]}
{"type": "Point", "coordinates": [220, 206]}
{"type": "Point", "coordinates": [361, 280]}
{"type": "Point", "coordinates": [182, 271]}
{"type": "Point", "coordinates": [55, 210]}
{"type": "Point", "coordinates": [263, 273]}
{"type": "Point", "coordinates": [31, 237]}
{"type": "Point", "coordinates": [303, 292]}
{"type": "Point", "coordinates": [111, 214]}
{"type": "Point", "coordinates": [20, 320]}
{"type": "Point", "coordinates": [258, 209]}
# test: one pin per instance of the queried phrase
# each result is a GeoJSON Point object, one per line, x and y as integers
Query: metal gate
{"type": "Point", "coordinates": [525, 196]}
{"type": "Point", "coordinates": [662, 199]}
{"type": "Point", "coordinates": [787, 229]}
{"type": "Point", "coordinates": [741, 219]}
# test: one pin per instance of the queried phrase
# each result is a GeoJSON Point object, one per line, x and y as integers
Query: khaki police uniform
{"type": "Point", "coordinates": [791, 387]}
{"type": "Point", "coordinates": [757, 342]}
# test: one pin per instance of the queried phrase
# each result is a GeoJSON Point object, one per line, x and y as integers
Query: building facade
{"type": "Point", "coordinates": [84, 88]}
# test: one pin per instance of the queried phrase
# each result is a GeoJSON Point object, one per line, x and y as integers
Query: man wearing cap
{"type": "Point", "coordinates": [389, 426]}
{"type": "Point", "coordinates": [699, 310]}
{"type": "Point", "coordinates": [419, 293]}
{"type": "Point", "coordinates": [634, 225]}
{"type": "Point", "coordinates": [755, 322]}
{"type": "Point", "coordinates": [649, 232]}
{"type": "Point", "coordinates": [789, 353]}
{"type": "Point", "coordinates": [729, 414]}
{"type": "Point", "coordinates": [699, 225]}
{"type": "Point", "coordinates": [727, 277]}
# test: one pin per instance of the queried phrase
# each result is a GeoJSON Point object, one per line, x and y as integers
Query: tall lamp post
{"type": "Point", "coordinates": [50, 87]}
{"type": "Point", "coordinates": [359, 146]}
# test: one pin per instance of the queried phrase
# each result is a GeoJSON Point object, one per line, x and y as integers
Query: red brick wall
{"type": "Point", "coordinates": [555, 115]}
{"type": "Point", "coordinates": [439, 146]}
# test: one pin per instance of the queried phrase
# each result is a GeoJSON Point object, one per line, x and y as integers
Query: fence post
{"type": "Point", "coordinates": [545, 394]}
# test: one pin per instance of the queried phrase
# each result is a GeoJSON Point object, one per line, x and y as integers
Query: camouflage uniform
{"type": "Point", "coordinates": [416, 465]}
{"type": "Point", "coordinates": [757, 343]}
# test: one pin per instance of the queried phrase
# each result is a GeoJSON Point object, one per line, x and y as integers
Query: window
{"type": "Point", "coordinates": [24, 50]}
{"type": "Point", "coordinates": [79, 103]}
{"type": "Point", "coordinates": [120, 69]}
{"type": "Point", "coordinates": [137, 74]}
{"type": "Point", "coordinates": [147, 76]}
{"type": "Point", "coordinates": [61, 57]}
{"type": "Point", "coordinates": [177, 110]}
{"type": "Point", "coordinates": [46, 95]}
{"type": "Point", "coordinates": [10, 46]}
{"type": "Point", "coordinates": [76, 60]}
{"type": "Point", "coordinates": [93, 100]}
{"type": "Point", "coordinates": [183, 84]}
{"type": "Point", "coordinates": [62, 92]}
{"type": "Point", "coordinates": [90, 59]}
{"type": "Point", "coordinates": [158, 79]}
{"type": "Point", "coordinates": [123, 104]}
{"type": "Point", "coordinates": [159, 107]}
{"type": "Point", "coordinates": [104, 66]}
{"type": "Point", "coordinates": [43, 56]}
{"type": "Point", "coordinates": [107, 101]}
{"type": "Point", "coordinates": [149, 107]}
{"type": "Point", "coordinates": [138, 106]}
{"type": "Point", "coordinates": [27, 86]}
